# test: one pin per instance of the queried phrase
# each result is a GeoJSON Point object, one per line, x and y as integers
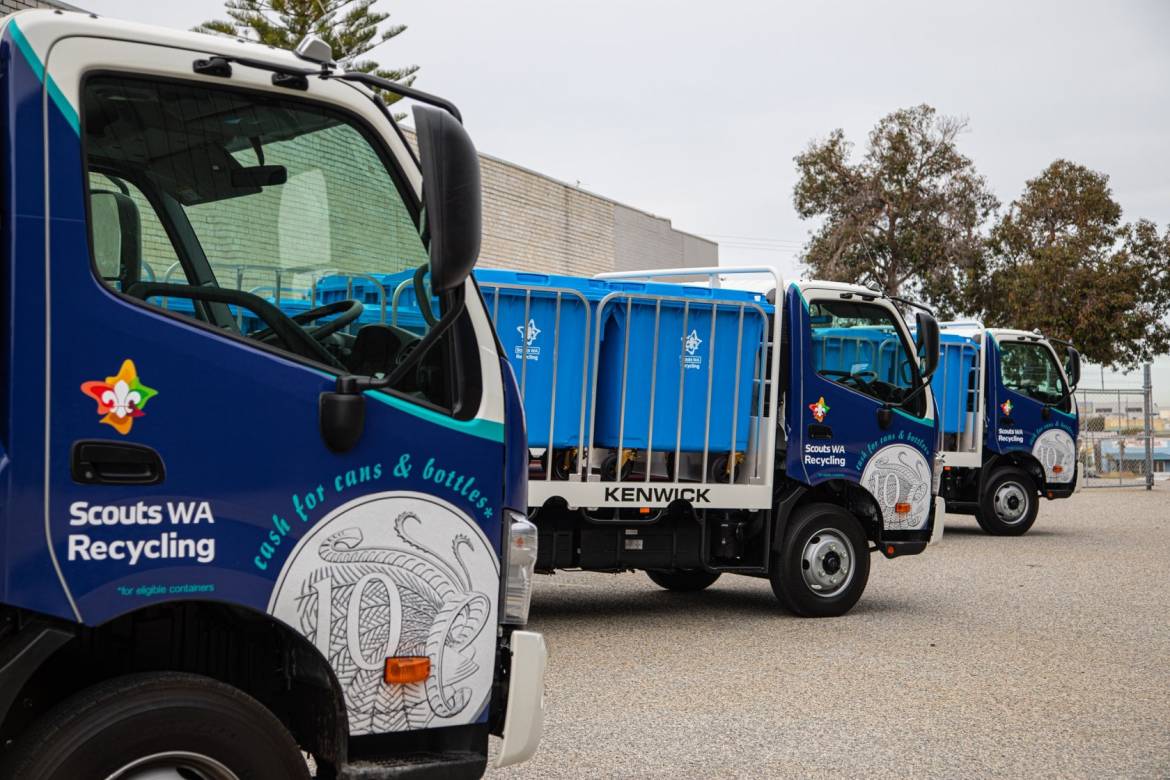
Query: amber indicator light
{"type": "Point", "coordinates": [406, 669]}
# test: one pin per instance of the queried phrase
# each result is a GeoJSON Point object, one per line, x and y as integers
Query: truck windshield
{"type": "Point", "coordinates": [1030, 368]}
{"type": "Point", "coordinates": [859, 345]}
{"type": "Point", "coordinates": [277, 200]}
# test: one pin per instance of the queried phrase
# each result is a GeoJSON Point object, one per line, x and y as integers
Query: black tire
{"type": "Point", "coordinates": [1000, 512]}
{"type": "Point", "coordinates": [105, 728]}
{"type": "Point", "coordinates": [837, 546]}
{"type": "Point", "coordinates": [720, 469]}
{"type": "Point", "coordinates": [682, 580]}
{"type": "Point", "coordinates": [564, 464]}
{"type": "Point", "coordinates": [609, 468]}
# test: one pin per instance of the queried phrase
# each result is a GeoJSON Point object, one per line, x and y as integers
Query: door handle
{"type": "Point", "coordinates": [101, 462]}
{"type": "Point", "coordinates": [820, 432]}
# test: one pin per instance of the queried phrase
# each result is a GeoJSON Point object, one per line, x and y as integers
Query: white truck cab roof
{"type": "Point", "coordinates": [840, 287]}
{"type": "Point", "coordinates": [43, 27]}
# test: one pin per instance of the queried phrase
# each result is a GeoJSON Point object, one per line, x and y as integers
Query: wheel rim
{"type": "Point", "coordinates": [827, 562]}
{"type": "Point", "coordinates": [174, 765]}
{"type": "Point", "coordinates": [1010, 502]}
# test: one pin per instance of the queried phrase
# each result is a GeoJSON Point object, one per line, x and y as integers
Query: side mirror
{"type": "Point", "coordinates": [1073, 367]}
{"type": "Point", "coordinates": [451, 196]}
{"type": "Point", "coordinates": [117, 236]}
{"type": "Point", "coordinates": [926, 327]}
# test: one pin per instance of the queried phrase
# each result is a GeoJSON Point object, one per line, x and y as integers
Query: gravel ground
{"type": "Point", "coordinates": [1046, 655]}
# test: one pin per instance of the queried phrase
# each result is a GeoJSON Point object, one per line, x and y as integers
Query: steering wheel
{"type": "Point", "coordinates": [850, 378]}
{"type": "Point", "coordinates": [347, 311]}
{"type": "Point", "coordinates": [295, 338]}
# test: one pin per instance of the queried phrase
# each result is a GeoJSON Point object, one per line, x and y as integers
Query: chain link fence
{"type": "Point", "coordinates": [1118, 445]}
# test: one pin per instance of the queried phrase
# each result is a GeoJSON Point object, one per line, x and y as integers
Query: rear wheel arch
{"type": "Point", "coordinates": [250, 651]}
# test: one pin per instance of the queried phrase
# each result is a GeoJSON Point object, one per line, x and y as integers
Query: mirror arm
{"type": "Point", "coordinates": [1067, 395]}
{"type": "Point", "coordinates": [355, 385]}
{"type": "Point", "coordinates": [370, 80]}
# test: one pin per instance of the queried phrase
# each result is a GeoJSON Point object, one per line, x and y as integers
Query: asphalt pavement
{"type": "Point", "coordinates": [1041, 656]}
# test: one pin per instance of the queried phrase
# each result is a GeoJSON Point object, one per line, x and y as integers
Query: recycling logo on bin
{"type": "Point", "coordinates": [528, 336]}
{"type": "Point", "coordinates": [691, 357]}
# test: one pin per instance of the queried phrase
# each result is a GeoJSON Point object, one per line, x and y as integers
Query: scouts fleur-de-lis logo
{"type": "Point", "coordinates": [120, 398]}
{"type": "Point", "coordinates": [530, 333]}
{"type": "Point", "coordinates": [1006, 407]}
{"type": "Point", "coordinates": [692, 342]}
{"type": "Point", "coordinates": [819, 409]}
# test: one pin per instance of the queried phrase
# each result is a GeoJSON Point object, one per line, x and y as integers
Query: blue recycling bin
{"type": "Point", "coordinates": [854, 350]}
{"type": "Point", "coordinates": [544, 350]}
{"type": "Point", "coordinates": [406, 315]}
{"type": "Point", "coordinates": [956, 380]}
{"type": "Point", "coordinates": [688, 352]}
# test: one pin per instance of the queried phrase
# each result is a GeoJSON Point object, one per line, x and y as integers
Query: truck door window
{"type": "Point", "coordinates": [860, 346]}
{"type": "Point", "coordinates": [277, 200]}
{"type": "Point", "coordinates": [1030, 368]}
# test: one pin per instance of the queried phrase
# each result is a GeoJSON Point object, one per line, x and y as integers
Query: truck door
{"type": "Point", "coordinates": [1029, 408]}
{"type": "Point", "coordinates": [851, 357]}
{"type": "Point", "coordinates": [188, 214]}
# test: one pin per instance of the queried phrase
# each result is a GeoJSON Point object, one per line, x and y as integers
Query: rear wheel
{"type": "Point", "coordinates": [1009, 503]}
{"type": "Point", "coordinates": [682, 580]}
{"type": "Point", "coordinates": [162, 725]}
{"type": "Point", "coordinates": [823, 565]}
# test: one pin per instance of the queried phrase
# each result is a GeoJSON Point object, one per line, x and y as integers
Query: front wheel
{"type": "Point", "coordinates": [682, 580]}
{"type": "Point", "coordinates": [823, 565]}
{"type": "Point", "coordinates": [157, 725]}
{"type": "Point", "coordinates": [1009, 503]}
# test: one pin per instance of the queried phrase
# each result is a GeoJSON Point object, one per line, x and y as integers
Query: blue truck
{"type": "Point", "coordinates": [690, 430]}
{"type": "Point", "coordinates": [1009, 423]}
{"type": "Point", "coordinates": [231, 536]}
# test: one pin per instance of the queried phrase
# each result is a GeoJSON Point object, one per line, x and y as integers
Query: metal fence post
{"type": "Point", "coordinates": [1148, 408]}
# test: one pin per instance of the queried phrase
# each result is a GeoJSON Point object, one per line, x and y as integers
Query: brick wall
{"type": "Point", "coordinates": [8, 6]}
{"type": "Point", "coordinates": [535, 223]}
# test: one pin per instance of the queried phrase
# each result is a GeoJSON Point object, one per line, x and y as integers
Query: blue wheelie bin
{"type": "Point", "coordinates": [698, 344]}
{"type": "Point", "coordinates": [956, 380]}
{"type": "Point", "coordinates": [545, 350]}
{"type": "Point", "coordinates": [855, 350]}
{"type": "Point", "coordinates": [405, 315]}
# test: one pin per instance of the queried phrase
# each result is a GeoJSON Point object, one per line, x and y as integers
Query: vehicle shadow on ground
{"type": "Point", "coordinates": [974, 530]}
{"type": "Point", "coordinates": [551, 607]}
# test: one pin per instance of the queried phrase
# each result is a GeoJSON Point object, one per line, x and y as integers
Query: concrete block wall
{"type": "Point", "coordinates": [535, 223]}
{"type": "Point", "coordinates": [9, 6]}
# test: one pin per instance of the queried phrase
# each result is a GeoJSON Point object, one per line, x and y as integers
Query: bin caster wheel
{"type": "Point", "coordinates": [720, 468]}
{"type": "Point", "coordinates": [564, 464]}
{"type": "Point", "coordinates": [609, 468]}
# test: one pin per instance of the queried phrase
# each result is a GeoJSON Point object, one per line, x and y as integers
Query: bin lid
{"type": "Point", "coordinates": [692, 291]}
{"type": "Point", "coordinates": [592, 289]}
{"type": "Point", "coordinates": [956, 339]}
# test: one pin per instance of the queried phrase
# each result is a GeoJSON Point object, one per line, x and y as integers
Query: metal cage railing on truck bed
{"type": "Point", "coordinates": [644, 423]}
{"type": "Point", "coordinates": [958, 386]}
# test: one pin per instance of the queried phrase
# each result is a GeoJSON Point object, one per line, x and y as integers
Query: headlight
{"type": "Point", "coordinates": [521, 567]}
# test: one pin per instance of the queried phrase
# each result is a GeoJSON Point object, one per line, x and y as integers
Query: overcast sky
{"type": "Point", "coordinates": [694, 111]}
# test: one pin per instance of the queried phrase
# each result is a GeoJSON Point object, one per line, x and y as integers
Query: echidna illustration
{"type": "Point", "coordinates": [899, 474]}
{"type": "Point", "coordinates": [1057, 452]}
{"type": "Point", "coordinates": [369, 591]}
